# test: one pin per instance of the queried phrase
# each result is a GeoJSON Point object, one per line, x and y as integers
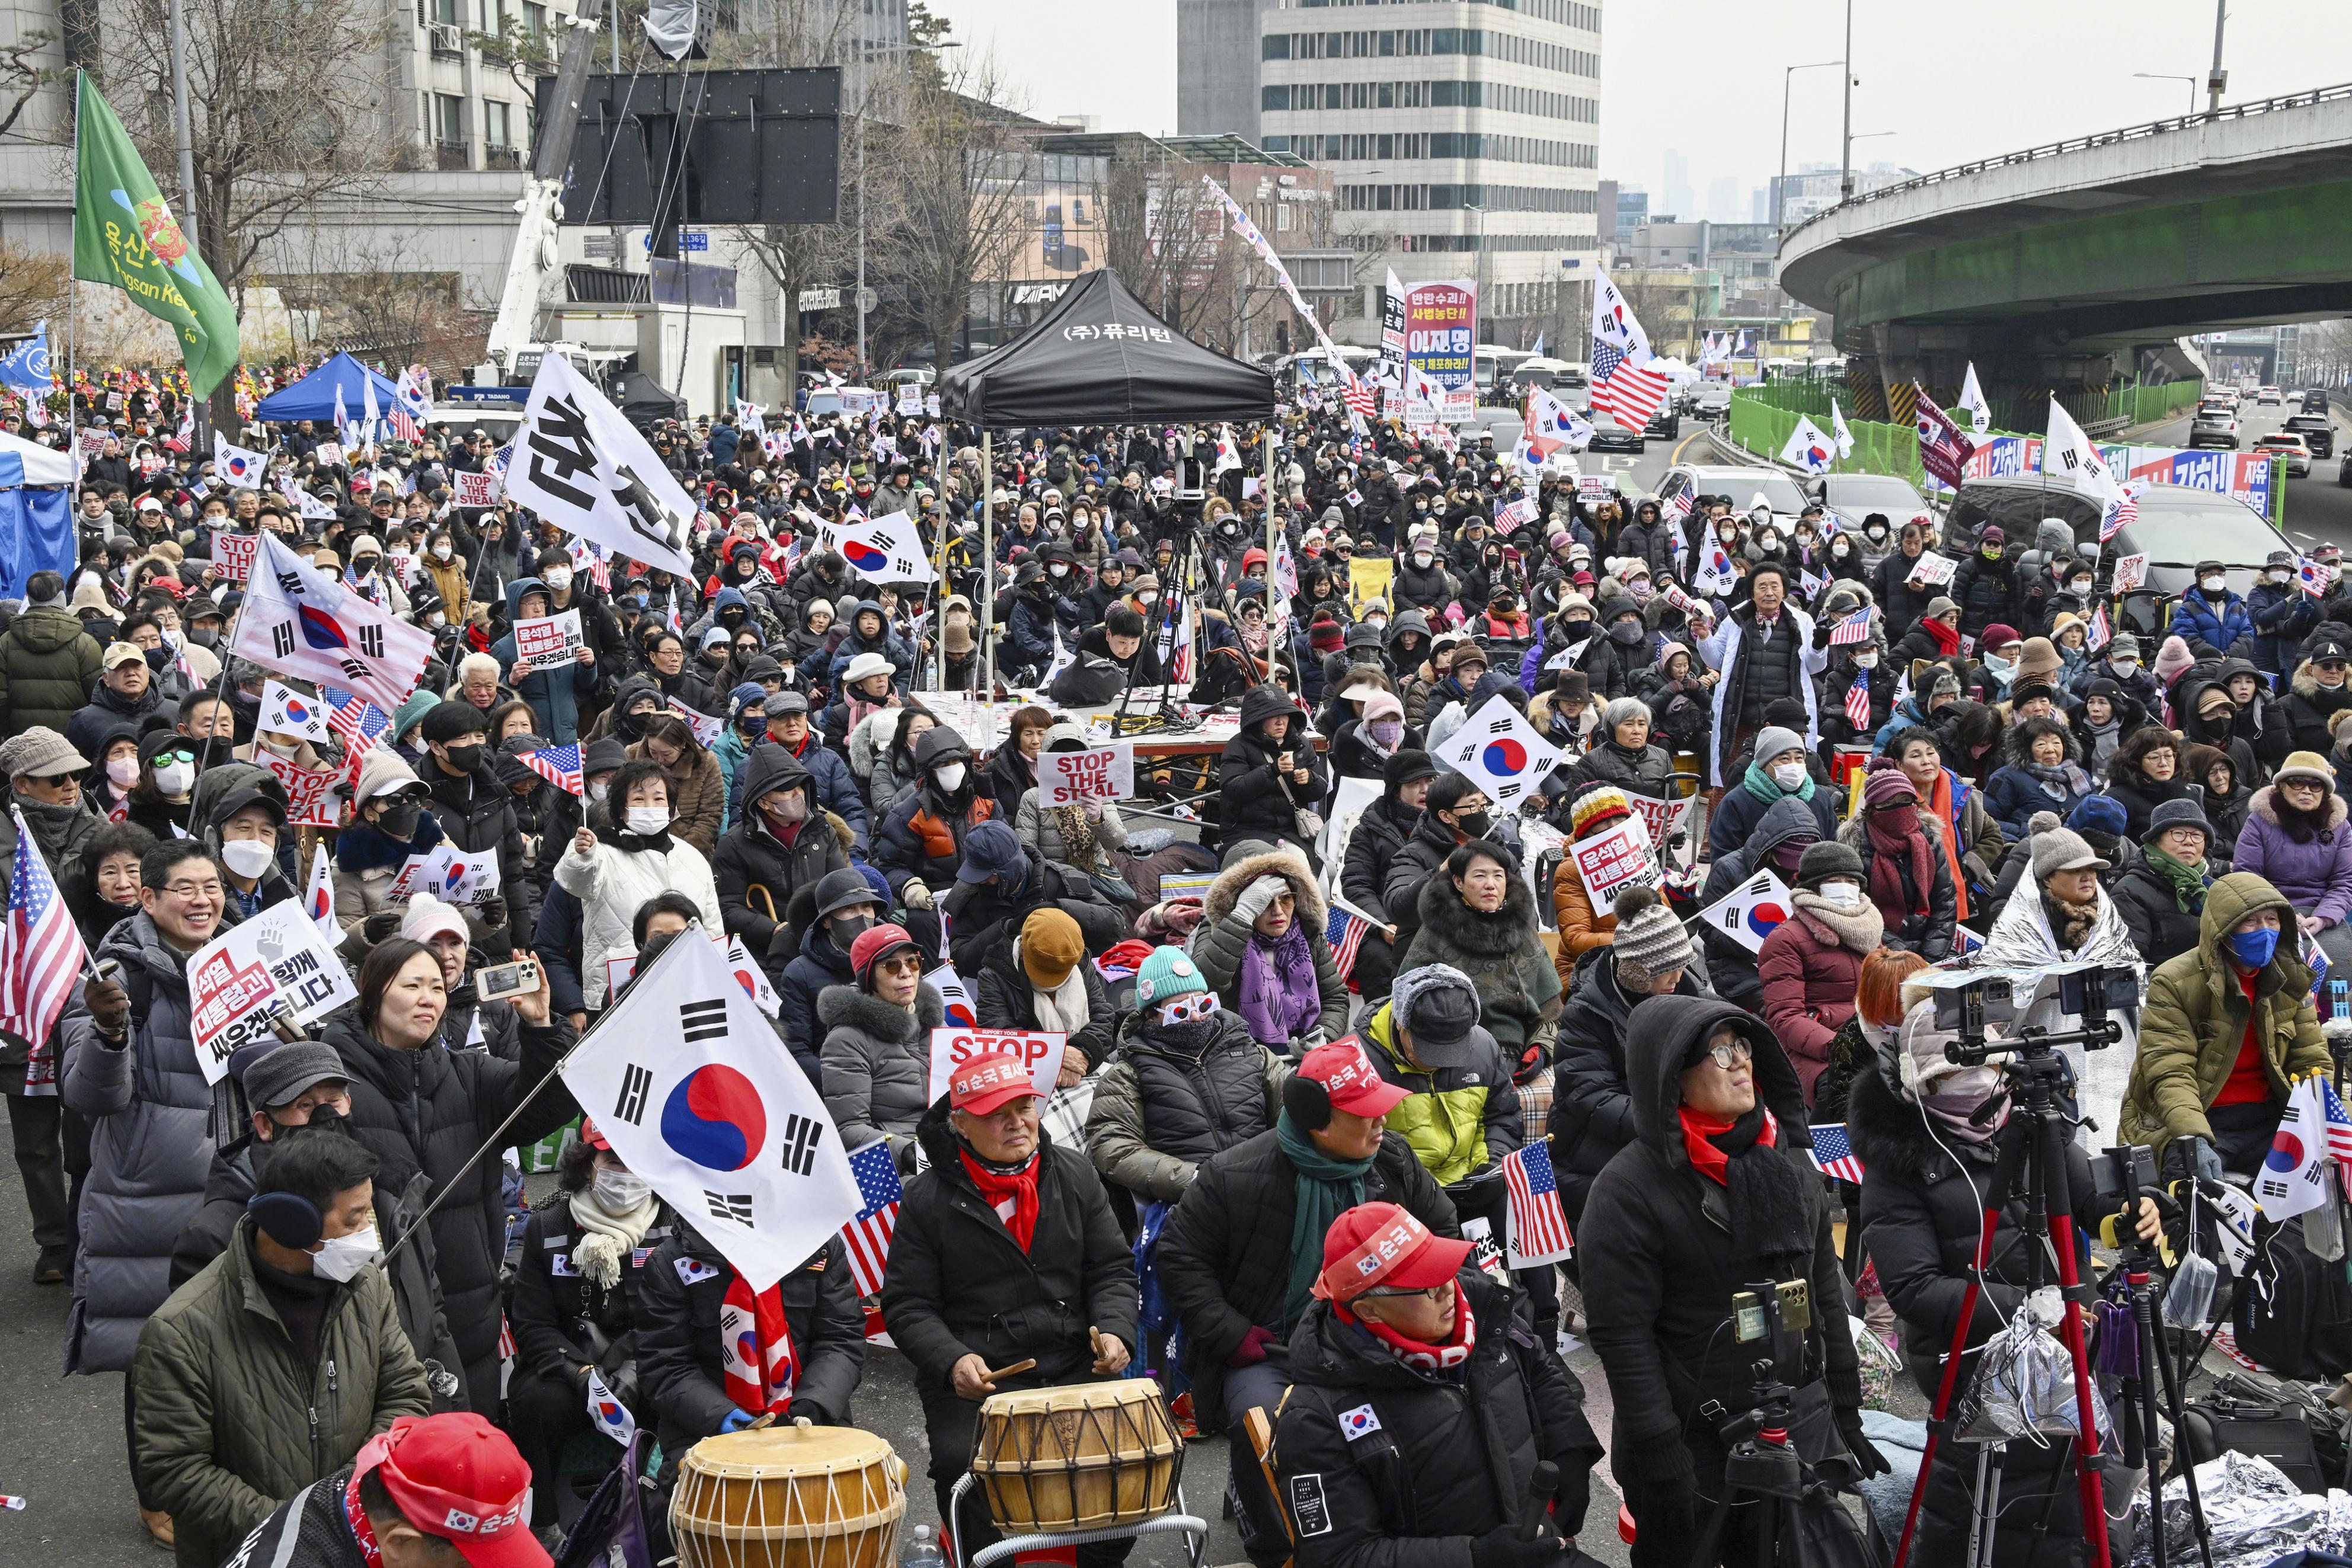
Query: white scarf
{"type": "Point", "coordinates": [610, 1236]}
{"type": "Point", "coordinates": [1062, 1008]}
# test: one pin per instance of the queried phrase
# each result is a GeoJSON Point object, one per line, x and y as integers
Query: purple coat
{"type": "Point", "coordinates": [2316, 877]}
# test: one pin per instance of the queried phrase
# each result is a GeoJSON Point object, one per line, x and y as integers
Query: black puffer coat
{"type": "Point", "coordinates": [1448, 1455]}
{"type": "Point", "coordinates": [959, 1285]}
{"type": "Point", "coordinates": [1649, 771]}
{"type": "Point", "coordinates": [1004, 997]}
{"type": "Point", "coordinates": [1591, 1115]}
{"type": "Point", "coordinates": [750, 857]}
{"type": "Point", "coordinates": [429, 1111]}
{"type": "Point", "coordinates": [1922, 1206]}
{"type": "Point", "coordinates": [679, 1293]}
{"type": "Point", "coordinates": [1731, 968]}
{"type": "Point", "coordinates": [1225, 1258]}
{"type": "Point", "coordinates": [1660, 1264]}
{"type": "Point", "coordinates": [1160, 1111]}
{"type": "Point", "coordinates": [2152, 913]}
{"type": "Point", "coordinates": [559, 1312]}
{"type": "Point", "coordinates": [1251, 791]}
{"type": "Point", "coordinates": [476, 814]}
{"type": "Point", "coordinates": [1380, 832]}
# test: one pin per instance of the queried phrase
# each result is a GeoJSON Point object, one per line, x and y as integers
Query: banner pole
{"type": "Point", "coordinates": [73, 308]}
{"type": "Point", "coordinates": [988, 563]}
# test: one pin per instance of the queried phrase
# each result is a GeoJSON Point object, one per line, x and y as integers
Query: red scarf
{"type": "Point", "coordinates": [1013, 1195]}
{"type": "Point", "coordinates": [1948, 638]}
{"type": "Point", "coordinates": [1699, 1132]}
{"type": "Point", "coordinates": [1888, 840]}
{"type": "Point", "coordinates": [1440, 1356]}
{"type": "Point", "coordinates": [757, 1364]}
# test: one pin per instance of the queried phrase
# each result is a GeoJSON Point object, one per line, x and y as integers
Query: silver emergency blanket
{"type": "Point", "coordinates": [2027, 1387]}
{"type": "Point", "coordinates": [2255, 1513]}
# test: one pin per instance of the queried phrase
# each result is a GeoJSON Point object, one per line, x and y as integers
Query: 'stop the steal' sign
{"type": "Point", "coordinates": [952, 1047]}
{"type": "Point", "coordinates": [1098, 773]}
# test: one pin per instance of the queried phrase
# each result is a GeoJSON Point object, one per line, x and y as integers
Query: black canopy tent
{"type": "Point", "coordinates": [1100, 357]}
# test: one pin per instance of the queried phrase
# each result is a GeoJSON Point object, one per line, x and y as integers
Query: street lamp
{"type": "Point", "coordinates": [1845, 180]}
{"type": "Point", "coordinates": [2168, 76]}
{"type": "Point", "coordinates": [865, 50]}
{"type": "Point", "coordinates": [1481, 272]}
{"type": "Point", "coordinates": [1780, 192]}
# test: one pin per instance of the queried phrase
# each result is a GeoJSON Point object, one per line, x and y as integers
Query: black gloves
{"type": "Point", "coordinates": [382, 925]}
{"type": "Point", "coordinates": [1501, 1547]}
{"type": "Point", "coordinates": [1867, 1459]}
{"type": "Point", "coordinates": [1657, 1472]}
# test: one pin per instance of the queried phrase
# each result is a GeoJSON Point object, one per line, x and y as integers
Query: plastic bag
{"type": "Point", "coordinates": [2026, 1388]}
{"type": "Point", "coordinates": [2189, 1299]}
{"type": "Point", "coordinates": [2255, 1513]}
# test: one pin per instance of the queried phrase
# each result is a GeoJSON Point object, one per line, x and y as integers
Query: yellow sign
{"type": "Point", "coordinates": [1367, 579]}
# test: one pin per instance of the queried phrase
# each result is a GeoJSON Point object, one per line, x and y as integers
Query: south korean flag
{"type": "Point", "coordinates": [1501, 752]}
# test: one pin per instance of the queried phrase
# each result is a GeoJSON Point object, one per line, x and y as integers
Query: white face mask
{"type": "Point", "coordinates": [1146, 597]}
{"type": "Point", "coordinates": [2276, 577]}
{"type": "Point", "coordinates": [619, 1191]}
{"type": "Point", "coordinates": [174, 779]}
{"type": "Point", "coordinates": [340, 1258]}
{"type": "Point", "coordinates": [644, 820]}
{"type": "Point", "coordinates": [248, 858]}
{"type": "Point", "coordinates": [2212, 584]}
{"type": "Point", "coordinates": [1421, 557]}
{"type": "Point", "coordinates": [557, 578]}
{"type": "Point", "coordinates": [2123, 666]}
{"type": "Point", "coordinates": [1865, 660]}
{"type": "Point", "coordinates": [949, 775]}
{"type": "Point", "coordinates": [596, 791]}
{"type": "Point", "coordinates": [441, 549]}
{"type": "Point", "coordinates": [1058, 569]}
{"type": "Point", "coordinates": [122, 772]}
{"type": "Point", "coordinates": [1844, 895]}
{"type": "Point", "coordinates": [1789, 776]}
{"type": "Point", "coordinates": [434, 620]}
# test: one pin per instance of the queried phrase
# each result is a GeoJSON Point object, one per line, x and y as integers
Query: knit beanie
{"type": "Point", "coordinates": [1596, 808]}
{"type": "Point", "coordinates": [1649, 941]}
{"type": "Point", "coordinates": [1772, 741]}
{"type": "Point", "coordinates": [1824, 860]}
{"type": "Point", "coordinates": [1885, 787]}
{"type": "Point", "coordinates": [2094, 814]}
{"type": "Point", "coordinates": [2062, 849]}
{"type": "Point", "coordinates": [2172, 657]}
{"type": "Point", "coordinates": [1167, 974]}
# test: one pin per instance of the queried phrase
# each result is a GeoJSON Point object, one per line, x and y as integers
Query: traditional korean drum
{"type": "Point", "coordinates": [1086, 1455]}
{"type": "Point", "coordinates": [788, 1497]}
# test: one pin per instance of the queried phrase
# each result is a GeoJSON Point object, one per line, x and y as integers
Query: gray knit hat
{"type": "Point", "coordinates": [1773, 740]}
{"type": "Point", "coordinates": [278, 1076]}
{"type": "Point", "coordinates": [1438, 1005]}
{"type": "Point", "coordinates": [1650, 941]}
{"type": "Point", "coordinates": [1826, 860]}
{"type": "Point", "coordinates": [2062, 849]}
{"type": "Point", "coordinates": [38, 753]}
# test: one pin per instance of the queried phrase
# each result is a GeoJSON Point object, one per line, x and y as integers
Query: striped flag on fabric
{"type": "Point", "coordinates": [1345, 932]}
{"type": "Point", "coordinates": [1853, 629]}
{"type": "Point", "coordinates": [41, 959]}
{"type": "Point", "coordinates": [2121, 512]}
{"type": "Point", "coordinates": [867, 1234]}
{"type": "Point", "coordinates": [2100, 632]}
{"type": "Point", "coordinates": [358, 721]}
{"type": "Point", "coordinates": [1857, 700]}
{"type": "Point", "coordinates": [2339, 1122]}
{"type": "Point", "coordinates": [1538, 1227]}
{"type": "Point", "coordinates": [559, 765]}
{"type": "Point", "coordinates": [1627, 393]}
{"type": "Point", "coordinates": [1833, 1153]}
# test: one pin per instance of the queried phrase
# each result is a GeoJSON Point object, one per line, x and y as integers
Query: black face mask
{"type": "Point", "coordinates": [632, 724]}
{"type": "Point", "coordinates": [400, 821]}
{"type": "Point", "coordinates": [1476, 824]}
{"type": "Point", "coordinates": [848, 928]}
{"type": "Point", "coordinates": [1626, 634]}
{"type": "Point", "coordinates": [466, 759]}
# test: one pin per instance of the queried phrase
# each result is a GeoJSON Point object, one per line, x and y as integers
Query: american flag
{"type": "Point", "coordinates": [2339, 1123]}
{"type": "Point", "coordinates": [1853, 629]}
{"type": "Point", "coordinates": [2123, 510]}
{"type": "Point", "coordinates": [1944, 451]}
{"type": "Point", "coordinates": [590, 557]}
{"type": "Point", "coordinates": [1538, 1228]}
{"type": "Point", "coordinates": [358, 721]}
{"type": "Point", "coordinates": [1678, 506]}
{"type": "Point", "coordinates": [1833, 1152]}
{"type": "Point", "coordinates": [559, 765]}
{"type": "Point", "coordinates": [404, 424]}
{"type": "Point", "coordinates": [1857, 700]}
{"type": "Point", "coordinates": [1345, 932]}
{"type": "Point", "coordinates": [1965, 941]}
{"type": "Point", "coordinates": [1359, 398]}
{"type": "Point", "coordinates": [41, 958]}
{"type": "Point", "coordinates": [2316, 578]}
{"type": "Point", "coordinates": [1627, 393]}
{"type": "Point", "coordinates": [867, 1236]}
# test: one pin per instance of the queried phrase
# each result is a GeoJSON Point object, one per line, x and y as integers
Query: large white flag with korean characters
{"type": "Point", "coordinates": [1499, 750]}
{"type": "Point", "coordinates": [683, 1077]}
{"type": "Point", "coordinates": [583, 467]}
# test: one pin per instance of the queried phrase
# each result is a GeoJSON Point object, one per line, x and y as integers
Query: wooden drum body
{"type": "Point", "coordinates": [1086, 1455]}
{"type": "Point", "coordinates": [817, 1497]}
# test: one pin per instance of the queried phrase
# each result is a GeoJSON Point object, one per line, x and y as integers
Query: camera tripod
{"type": "Point", "coordinates": [2130, 1361]}
{"type": "Point", "coordinates": [2033, 1144]}
{"type": "Point", "coordinates": [1763, 1466]}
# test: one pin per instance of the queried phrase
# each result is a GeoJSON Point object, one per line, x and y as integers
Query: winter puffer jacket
{"type": "Point", "coordinates": [877, 1064]}
{"type": "Point", "coordinates": [2145, 899]}
{"type": "Point", "coordinates": [221, 1435]}
{"type": "Point", "coordinates": [837, 786]}
{"type": "Point", "coordinates": [150, 1112]}
{"type": "Point", "coordinates": [1225, 1258]}
{"type": "Point", "coordinates": [559, 1314]}
{"type": "Point", "coordinates": [2310, 707]}
{"type": "Point", "coordinates": [755, 872]}
{"type": "Point", "coordinates": [1811, 966]}
{"type": "Point", "coordinates": [1591, 1115]}
{"type": "Point", "coordinates": [1731, 967]}
{"type": "Point", "coordinates": [1660, 1264]}
{"type": "Point", "coordinates": [1160, 1111]}
{"type": "Point", "coordinates": [959, 1285]}
{"type": "Point", "coordinates": [48, 665]}
{"type": "Point", "coordinates": [2195, 1021]}
{"type": "Point", "coordinates": [678, 1295]}
{"type": "Point", "coordinates": [1258, 801]}
{"type": "Point", "coordinates": [923, 836]}
{"type": "Point", "coordinates": [1649, 771]}
{"type": "Point", "coordinates": [2315, 876]}
{"type": "Point", "coordinates": [1223, 937]}
{"type": "Point", "coordinates": [816, 962]}
{"type": "Point", "coordinates": [1448, 1455]}
{"type": "Point", "coordinates": [1458, 1118]}
{"type": "Point", "coordinates": [1518, 990]}
{"type": "Point", "coordinates": [2212, 630]}
{"type": "Point", "coordinates": [427, 1111]}
{"type": "Point", "coordinates": [614, 880]}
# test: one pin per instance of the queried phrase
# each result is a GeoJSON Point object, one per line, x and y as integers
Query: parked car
{"type": "Point", "coordinates": [2318, 432]}
{"type": "Point", "coordinates": [1854, 496]}
{"type": "Point", "coordinates": [2289, 445]}
{"type": "Point", "coordinates": [2213, 426]}
{"type": "Point", "coordinates": [1742, 483]}
{"type": "Point", "coordinates": [2178, 526]}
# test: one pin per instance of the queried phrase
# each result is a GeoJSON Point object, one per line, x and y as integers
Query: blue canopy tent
{"type": "Point", "coordinates": [313, 397]}
{"type": "Point", "coordinates": [36, 527]}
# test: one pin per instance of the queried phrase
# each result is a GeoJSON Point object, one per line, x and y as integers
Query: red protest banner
{"type": "Point", "coordinates": [232, 556]}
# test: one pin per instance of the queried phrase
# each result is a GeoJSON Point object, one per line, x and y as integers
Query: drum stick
{"type": "Point", "coordinates": [1093, 1338]}
{"type": "Point", "coordinates": [1018, 1367]}
{"type": "Point", "coordinates": [761, 1422]}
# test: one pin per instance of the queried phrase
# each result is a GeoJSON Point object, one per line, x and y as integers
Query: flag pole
{"type": "Point", "coordinates": [73, 302]}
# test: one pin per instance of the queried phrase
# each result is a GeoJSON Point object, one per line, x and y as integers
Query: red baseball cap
{"type": "Point", "coordinates": [1352, 1080]}
{"type": "Point", "coordinates": [458, 1478]}
{"type": "Point", "coordinates": [987, 1082]}
{"type": "Point", "coordinates": [591, 1137]}
{"type": "Point", "coordinates": [1381, 1244]}
{"type": "Point", "coordinates": [875, 944]}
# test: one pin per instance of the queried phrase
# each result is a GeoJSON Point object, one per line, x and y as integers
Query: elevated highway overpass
{"type": "Point", "coordinates": [2063, 265]}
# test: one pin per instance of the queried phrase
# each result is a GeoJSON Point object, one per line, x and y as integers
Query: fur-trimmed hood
{"type": "Point", "coordinates": [1509, 931]}
{"type": "Point", "coordinates": [1307, 895]}
{"type": "Point", "coordinates": [2265, 806]}
{"type": "Point", "coordinates": [868, 1014]}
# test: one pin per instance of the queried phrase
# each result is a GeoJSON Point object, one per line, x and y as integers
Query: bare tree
{"type": "Point", "coordinates": [957, 162]}
{"type": "Point", "coordinates": [33, 289]}
{"type": "Point", "coordinates": [1166, 235]}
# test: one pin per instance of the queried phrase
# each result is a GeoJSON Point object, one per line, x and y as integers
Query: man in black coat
{"type": "Point", "coordinates": [781, 843]}
{"type": "Point", "coordinates": [1380, 832]}
{"type": "Point", "coordinates": [680, 1341]}
{"type": "Point", "coordinates": [1720, 1125]}
{"type": "Point", "coordinates": [1005, 1250]}
{"type": "Point", "coordinates": [1225, 1259]}
{"type": "Point", "coordinates": [1420, 1407]}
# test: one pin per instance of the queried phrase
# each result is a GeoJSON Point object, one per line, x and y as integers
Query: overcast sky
{"type": "Point", "coordinates": [1953, 84]}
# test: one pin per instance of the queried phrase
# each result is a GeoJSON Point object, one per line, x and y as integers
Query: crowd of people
{"type": "Point", "coordinates": [331, 1317]}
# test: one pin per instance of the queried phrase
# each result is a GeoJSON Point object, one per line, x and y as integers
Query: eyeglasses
{"type": "Point", "coordinates": [193, 889]}
{"type": "Point", "coordinates": [1731, 1053]}
{"type": "Point", "coordinates": [1184, 1010]}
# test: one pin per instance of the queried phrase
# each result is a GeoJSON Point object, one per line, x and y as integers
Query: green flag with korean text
{"type": "Point", "coordinates": [125, 235]}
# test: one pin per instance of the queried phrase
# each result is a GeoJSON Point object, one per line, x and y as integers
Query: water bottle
{"type": "Point", "coordinates": [924, 1553]}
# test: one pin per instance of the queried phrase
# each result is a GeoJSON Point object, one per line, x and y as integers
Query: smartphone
{"type": "Point", "coordinates": [502, 980]}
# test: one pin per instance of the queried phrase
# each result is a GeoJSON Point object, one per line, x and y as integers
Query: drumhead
{"type": "Point", "coordinates": [786, 1450]}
